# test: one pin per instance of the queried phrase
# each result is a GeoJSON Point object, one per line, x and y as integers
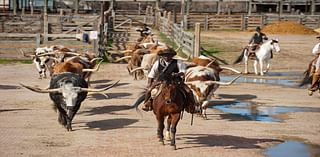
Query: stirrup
{"type": "Point", "coordinates": [146, 106]}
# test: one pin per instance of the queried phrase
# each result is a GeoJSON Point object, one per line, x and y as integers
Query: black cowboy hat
{"type": "Point", "coordinates": [168, 51]}
{"type": "Point", "coordinates": [258, 29]}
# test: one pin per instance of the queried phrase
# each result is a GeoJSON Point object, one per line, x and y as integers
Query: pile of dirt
{"type": "Point", "coordinates": [317, 30]}
{"type": "Point", "coordinates": [287, 28]}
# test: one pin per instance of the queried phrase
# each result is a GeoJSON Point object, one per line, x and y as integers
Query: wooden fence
{"type": "Point", "coordinates": [59, 26]}
{"type": "Point", "coordinates": [244, 22]}
{"type": "Point", "coordinates": [183, 38]}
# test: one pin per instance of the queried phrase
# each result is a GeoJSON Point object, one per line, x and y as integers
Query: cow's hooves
{"type": "Point", "coordinates": [310, 93]}
{"type": "Point", "coordinates": [173, 147]}
{"type": "Point", "coordinates": [161, 142]}
{"type": "Point", "coordinates": [205, 117]}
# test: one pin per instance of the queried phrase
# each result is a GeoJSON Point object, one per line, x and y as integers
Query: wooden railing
{"type": "Point", "coordinates": [29, 26]}
{"type": "Point", "coordinates": [182, 38]}
{"type": "Point", "coordinates": [244, 22]}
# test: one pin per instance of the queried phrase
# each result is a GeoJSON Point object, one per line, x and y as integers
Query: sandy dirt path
{"type": "Point", "coordinates": [108, 127]}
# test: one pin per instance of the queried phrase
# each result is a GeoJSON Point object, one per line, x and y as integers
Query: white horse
{"type": "Point", "coordinates": [262, 55]}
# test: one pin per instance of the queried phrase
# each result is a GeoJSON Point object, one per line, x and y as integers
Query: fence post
{"type": "Point", "coordinates": [139, 8]}
{"type": "Point", "coordinates": [14, 5]}
{"type": "Point", "coordinates": [31, 6]}
{"type": "Point", "coordinates": [22, 11]}
{"type": "Point", "coordinates": [196, 52]}
{"type": "Point", "coordinates": [249, 7]}
{"type": "Point", "coordinates": [95, 43]}
{"type": "Point", "coordinates": [263, 20]}
{"type": "Point", "coordinates": [206, 23]}
{"type": "Point", "coordinates": [185, 22]}
{"type": "Point", "coordinates": [45, 21]}
{"type": "Point", "coordinates": [243, 22]}
{"type": "Point", "coordinates": [169, 23]}
{"type": "Point", "coordinates": [38, 40]}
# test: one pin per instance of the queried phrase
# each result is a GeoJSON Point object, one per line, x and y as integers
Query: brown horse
{"type": "Point", "coordinates": [308, 76]}
{"type": "Point", "coordinates": [170, 102]}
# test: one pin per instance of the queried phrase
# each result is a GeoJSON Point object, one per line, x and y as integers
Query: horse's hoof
{"type": "Point", "coordinates": [310, 93]}
{"type": "Point", "coordinates": [167, 137]}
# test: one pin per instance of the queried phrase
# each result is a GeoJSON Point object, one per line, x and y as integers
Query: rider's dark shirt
{"type": "Point", "coordinates": [166, 71]}
{"type": "Point", "coordinates": [258, 38]}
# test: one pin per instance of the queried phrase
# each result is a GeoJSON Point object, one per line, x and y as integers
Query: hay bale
{"type": "Point", "coordinates": [287, 28]}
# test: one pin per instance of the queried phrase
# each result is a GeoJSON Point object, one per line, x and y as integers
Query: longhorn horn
{"type": "Point", "coordinates": [72, 53]}
{"type": "Point", "coordinates": [136, 69]}
{"type": "Point", "coordinates": [180, 58]}
{"type": "Point", "coordinates": [99, 90]}
{"type": "Point", "coordinates": [46, 54]}
{"type": "Point", "coordinates": [231, 69]}
{"type": "Point", "coordinates": [177, 49]}
{"type": "Point", "coordinates": [94, 59]}
{"type": "Point", "coordinates": [93, 70]}
{"type": "Point", "coordinates": [40, 90]}
{"type": "Point", "coordinates": [222, 83]}
{"type": "Point", "coordinates": [213, 60]}
{"type": "Point", "coordinates": [117, 52]}
{"type": "Point", "coordinates": [122, 58]}
{"type": "Point", "coordinates": [126, 51]}
{"type": "Point", "coordinates": [216, 58]}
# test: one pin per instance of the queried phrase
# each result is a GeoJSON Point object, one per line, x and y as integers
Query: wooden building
{"type": "Point", "coordinates": [308, 7]}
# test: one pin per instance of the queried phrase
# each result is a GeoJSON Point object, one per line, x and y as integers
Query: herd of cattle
{"type": "Point", "coordinates": [70, 73]}
{"type": "Point", "coordinates": [202, 73]}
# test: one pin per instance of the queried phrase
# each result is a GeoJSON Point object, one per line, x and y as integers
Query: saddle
{"type": "Point", "coordinates": [252, 50]}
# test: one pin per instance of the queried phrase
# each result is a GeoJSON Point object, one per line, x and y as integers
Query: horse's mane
{"type": "Point", "coordinates": [267, 42]}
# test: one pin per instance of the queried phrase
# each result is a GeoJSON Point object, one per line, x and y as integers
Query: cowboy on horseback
{"type": "Point", "coordinates": [256, 41]}
{"type": "Point", "coordinates": [315, 68]}
{"type": "Point", "coordinates": [167, 69]}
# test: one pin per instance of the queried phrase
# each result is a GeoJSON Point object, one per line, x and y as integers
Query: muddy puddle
{"type": "Point", "coordinates": [293, 149]}
{"type": "Point", "coordinates": [291, 79]}
{"type": "Point", "coordinates": [255, 112]}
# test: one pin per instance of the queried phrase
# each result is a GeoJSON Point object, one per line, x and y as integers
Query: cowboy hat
{"type": "Point", "coordinates": [168, 51]}
{"type": "Point", "coordinates": [258, 28]}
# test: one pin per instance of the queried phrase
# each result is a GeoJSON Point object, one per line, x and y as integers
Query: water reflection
{"type": "Point", "coordinates": [293, 149]}
{"type": "Point", "coordinates": [292, 82]}
{"type": "Point", "coordinates": [260, 113]}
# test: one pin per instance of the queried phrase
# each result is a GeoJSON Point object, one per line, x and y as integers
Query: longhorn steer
{"type": "Point", "coordinates": [46, 57]}
{"type": "Point", "coordinates": [202, 76]}
{"type": "Point", "coordinates": [67, 90]}
{"type": "Point", "coordinates": [42, 62]}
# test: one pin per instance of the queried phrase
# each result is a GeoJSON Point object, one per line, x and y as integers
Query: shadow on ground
{"type": "Point", "coordinates": [226, 141]}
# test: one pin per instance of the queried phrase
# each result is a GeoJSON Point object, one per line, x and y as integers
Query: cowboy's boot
{"type": "Point", "coordinates": [314, 84]}
{"type": "Point", "coordinates": [147, 105]}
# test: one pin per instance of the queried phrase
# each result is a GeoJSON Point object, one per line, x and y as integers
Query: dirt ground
{"type": "Point", "coordinates": [108, 127]}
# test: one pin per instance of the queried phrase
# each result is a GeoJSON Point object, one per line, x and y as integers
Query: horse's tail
{"type": "Point", "coordinates": [239, 59]}
{"type": "Point", "coordinates": [307, 77]}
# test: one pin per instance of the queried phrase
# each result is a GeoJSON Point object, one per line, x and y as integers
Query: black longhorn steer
{"type": "Point", "coordinates": [67, 91]}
